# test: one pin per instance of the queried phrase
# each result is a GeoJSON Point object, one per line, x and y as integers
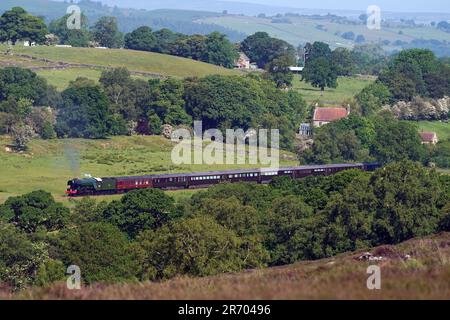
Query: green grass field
{"type": "Point", "coordinates": [441, 128]}
{"type": "Point", "coordinates": [347, 88]}
{"type": "Point", "coordinates": [149, 62]}
{"type": "Point", "coordinates": [50, 164]}
{"type": "Point", "coordinates": [305, 29]}
{"type": "Point", "coordinates": [61, 78]}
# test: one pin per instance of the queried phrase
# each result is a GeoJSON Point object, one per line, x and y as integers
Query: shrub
{"type": "Point", "coordinates": [100, 250]}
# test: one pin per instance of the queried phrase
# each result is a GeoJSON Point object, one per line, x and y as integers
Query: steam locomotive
{"type": "Point", "coordinates": [91, 186]}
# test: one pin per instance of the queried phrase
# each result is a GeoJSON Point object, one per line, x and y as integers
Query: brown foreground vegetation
{"type": "Point", "coordinates": [416, 269]}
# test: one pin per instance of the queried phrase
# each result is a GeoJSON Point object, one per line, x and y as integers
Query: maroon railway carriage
{"type": "Point", "coordinates": [98, 186]}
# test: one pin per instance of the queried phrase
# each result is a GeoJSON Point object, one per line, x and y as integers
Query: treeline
{"type": "Point", "coordinates": [16, 24]}
{"type": "Point", "coordinates": [412, 73]}
{"type": "Point", "coordinates": [121, 105]}
{"type": "Point", "coordinates": [147, 236]}
{"type": "Point", "coordinates": [380, 138]}
{"type": "Point", "coordinates": [214, 48]}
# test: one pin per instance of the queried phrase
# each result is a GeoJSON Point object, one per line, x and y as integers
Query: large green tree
{"type": "Point", "coordinates": [100, 250]}
{"type": "Point", "coordinates": [16, 24]}
{"type": "Point", "coordinates": [20, 258]}
{"type": "Point", "coordinates": [20, 83]}
{"type": "Point", "coordinates": [141, 39]}
{"type": "Point", "coordinates": [140, 210]}
{"type": "Point", "coordinates": [219, 50]}
{"type": "Point", "coordinates": [320, 73]}
{"type": "Point", "coordinates": [74, 37]}
{"type": "Point", "coordinates": [35, 210]}
{"type": "Point", "coordinates": [196, 247]}
{"type": "Point", "coordinates": [85, 112]}
{"type": "Point", "coordinates": [106, 33]}
{"type": "Point", "coordinates": [278, 71]}
{"type": "Point", "coordinates": [262, 49]}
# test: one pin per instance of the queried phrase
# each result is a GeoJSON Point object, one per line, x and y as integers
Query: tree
{"type": "Point", "coordinates": [195, 247]}
{"type": "Point", "coordinates": [35, 210]}
{"type": "Point", "coordinates": [164, 39]}
{"type": "Point", "coordinates": [317, 50]}
{"type": "Point", "coordinates": [395, 204]}
{"type": "Point", "coordinates": [21, 134]}
{"type": "Point", "coordinates": [242, 102]}
{"type": "Point", "coordinates": [85, 112]}
{"type": "Point", "coordinates": [74, 37]}
{"type": "Point", "coordinates": [219, 50]}
{"type": "Point", "coordinates": [167, 104]}
{"type": "Point", "coordinates": [262, 49]}
{"type": "Point", "coordinates": [140, 210]}
{"type": "Point", "coordinates": [416, 72]}
{"type": "Point", "coordinates": [141, 39]}
{"type": "Point", "coordinates": [373, 97]}
{"type": "Point", "coordinates": [100, 250]}
{"type": "Point", "coordinates": [20, 83]}
{"type": "Point", "coordinates": [320, 73]}
{"type": "Point", "coordinates": [193, 47]}
{"type": "Point", "coordinates": [106, 33]}
{"type": "Point", "coordinates": [279, 72]}
{"type": "Point", "coordinates": [342, 60]}
{"type": "Point", "coordinates": [16, 24]}
{"type": "Point", "coordinates": [289, 231]}
{"type": "Point", "coordinates": [20, 259]}
{"type": "Point", "coordinates": [396, 140]}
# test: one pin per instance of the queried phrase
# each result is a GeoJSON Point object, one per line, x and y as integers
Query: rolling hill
{"type": "Point", "coordinates": [416, 269]}
{"type": "Point", "coordinates": [61, 65]}
{"type": "Point", "coordinates": [301, 29]}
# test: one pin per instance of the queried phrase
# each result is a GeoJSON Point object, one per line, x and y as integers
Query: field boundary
{"type": "Point", "coordinates": [63, 65]}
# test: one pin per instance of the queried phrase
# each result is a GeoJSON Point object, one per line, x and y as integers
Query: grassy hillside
{"type": "Point", "coordinates": [139, 61]}
{"type": "Point", "coordinates": [347, 88]}
{"type": "Point", "coordinates": [424, 276]}
{"type": "Point", "coordinates": [306, 29]}
{"type": "Point", "coordinates": [50, 164]}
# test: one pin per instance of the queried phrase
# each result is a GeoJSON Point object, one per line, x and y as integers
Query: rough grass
{"type": "Point", "coordinates": [155, 63]}
{"type": "Point", "coordinates": [347, 88]}
{"type": "Point", "coordinates": [441, 128]}
{"type": "Point", "coordinates": [48, 165]}
{"type": "Point", "coordinates": [424, 276]}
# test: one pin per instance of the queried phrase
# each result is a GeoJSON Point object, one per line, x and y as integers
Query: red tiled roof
{"type": "Point", "coordinates": [330, 114]}
{"type": "Point", "coordinates": [427, 136]}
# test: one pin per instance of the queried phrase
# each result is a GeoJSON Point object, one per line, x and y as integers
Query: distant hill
{"type": "Point", "coordinates": [299, 29]}
{"type": "Point", "coordinates": [128, 19]}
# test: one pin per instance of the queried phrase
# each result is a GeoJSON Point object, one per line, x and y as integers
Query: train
{"type": "Point", "coordinates": [91, 186]}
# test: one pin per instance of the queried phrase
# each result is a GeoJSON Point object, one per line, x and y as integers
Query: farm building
{"type": "Point", "coordinates": [429, 137]}
{"type": "Point", "coordinates": [323, 116]}
{"type": "Point", "coordinates": [243, 62]}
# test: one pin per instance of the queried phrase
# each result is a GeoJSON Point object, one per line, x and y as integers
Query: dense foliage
{"type": "Point", "coordinates": [74, 37]}
{"type": "Point", "coordinates": [213, 48]}
{"type": "Point", "coordinates": [227, 228]}
{"type": "Point", "coordinates": [243, 102]}
{"type": "Point", "coordinates": [263, 49]}
{"type": "Point", "coordinates": [381, 138]}
{"type": "Point", "coordinates": [18, 25]}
